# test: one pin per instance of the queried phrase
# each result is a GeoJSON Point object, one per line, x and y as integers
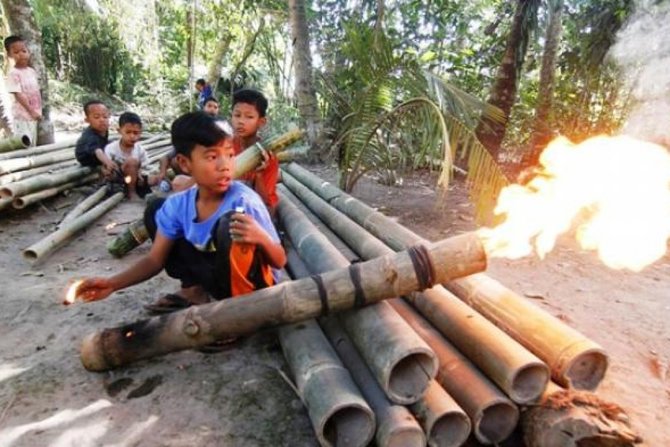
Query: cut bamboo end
{"type": "Point", "coordinates": [397, 428]}
{"type": "Point", "coordinates": [529, 382]}
{"type": "Point", "coordinates": [348, 426]}
{"type": "Point", "coordinates": [582, 368]}
{"type": "Point", "coordinates": [450, 430]}
{"type": "Point", "coordinates": [409, 378]}
{"type": "Point", "coordinates": [92, 357]}
{"type": "Point", "coordinates": [496, 422]}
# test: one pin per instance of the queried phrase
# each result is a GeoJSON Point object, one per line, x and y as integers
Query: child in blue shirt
{"type": "Point", "coordinates": [217, 237]}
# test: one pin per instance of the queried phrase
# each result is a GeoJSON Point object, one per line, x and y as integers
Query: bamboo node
{"type": "Point", "coordinates": [191, 328]}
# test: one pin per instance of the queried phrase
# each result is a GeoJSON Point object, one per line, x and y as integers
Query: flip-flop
{"type": "Point", "coordinates": [218, 346]}
{"type": "Point", "coordinates": [167, 303]}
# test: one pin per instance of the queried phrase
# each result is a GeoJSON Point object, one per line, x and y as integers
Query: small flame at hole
{"type": "Point", "coordinates": [71, 295]}
{"type": "Point", "coordinates": [127, 179]}
{"type": "Point", "coordinates": [129, 334]}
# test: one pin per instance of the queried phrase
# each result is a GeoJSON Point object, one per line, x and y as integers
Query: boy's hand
{"type": "Point", "coordinates": [243, 228]}
{"type": "Point", "coordinates": [95, 289]}
{"type": "Point", "coordinates": [266, 156]}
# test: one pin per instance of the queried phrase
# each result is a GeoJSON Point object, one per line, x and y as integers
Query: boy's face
{"type": "Point", "coordinates": [211, 108]}
{"type": "Point", "coordinates": [246, 120]}
{"type": "Point", "coordinates": [211, 167]}
{"type": "Point", "coordinates": [130, 134]}
{"type": "Point", "coordinates": [199, 87]}
{"type": "Point", "coordinates": [18, 51]}
{"type": "Point", "coordinates": [98, 118]}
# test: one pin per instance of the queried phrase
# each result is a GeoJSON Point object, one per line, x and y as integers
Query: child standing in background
{"type": "Point", "coordinates": [23, 84]}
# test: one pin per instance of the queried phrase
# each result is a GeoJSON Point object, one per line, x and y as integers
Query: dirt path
{"type": "Point", "coordinates": [238, 397]}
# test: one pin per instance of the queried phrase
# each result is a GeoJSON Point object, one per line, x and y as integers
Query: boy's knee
{"type": "Point", "coordinates": [130, 165]}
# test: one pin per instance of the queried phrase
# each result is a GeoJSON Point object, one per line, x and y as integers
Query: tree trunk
{"type": "Point", "coordinates": [21, 21]}
{"type": "Point", "coordinates": [214, 71]}
{"type": "Point", "coordinates": [304, 89]}
{"type": "Point", "coordinates": [542, 126]}
{"type": "Point", "coordinates": [504, 91]}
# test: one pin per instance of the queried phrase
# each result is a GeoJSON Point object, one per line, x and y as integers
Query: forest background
{"type": "Point", "coordinates": [381, 86]}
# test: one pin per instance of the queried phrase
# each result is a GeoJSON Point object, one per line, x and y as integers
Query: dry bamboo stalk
{"type": "Point", "coordinates": [339, 414]}
{"type": "Point", "coordinates": [519, 373]}
{"type": "Point", "coordinates": [84, 205]}
{"type": "Point", "coordinates": [67, 143]}
{"type": "Point", "coordinates": [573, 358]}
{"type": "Point", "coordinates": [34, 161]}
{"type": "Point", "coordinates": [40, 249]}
{"type": "Point", "coordinates": [400, 361]}
{"type": "Point", "coordinates": [24, 201]}
{"type": "Point", "coordinates": [395, 424]}
{"type": "Point", "coordinates": [21, 175]}
{"type": "Point", "coordinates": [4, 203]}
{"type": "Point", "coordinates": [13, 143]}
{"type": "Point", "coordinates": [44, 181]}
{"type": "Point", "coordinates": [381, 278]}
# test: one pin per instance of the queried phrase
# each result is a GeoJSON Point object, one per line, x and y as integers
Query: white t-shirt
{"type": "Point", "coordinates": [117, 155]}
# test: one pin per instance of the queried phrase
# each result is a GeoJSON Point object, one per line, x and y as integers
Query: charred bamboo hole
{"type": "Point", "coordinates": [587, 370]}
{"type": "Point", "coordinates": [451, 429]}
{"type": "Point", "coordinates": [529, 383]}
{"type": "Point", "coordinates": [410, 376]}
{"type": "Point", "coordinates": [497, 422]}
{"type": "Point", "coordinates": [349, 426]}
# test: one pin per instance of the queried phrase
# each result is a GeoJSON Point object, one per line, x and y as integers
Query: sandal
{"type": "Point", "coordinates": [167, 303]}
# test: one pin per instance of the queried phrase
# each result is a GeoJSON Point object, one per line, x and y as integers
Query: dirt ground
{"type": "Point", "coordinates": [240, 397]}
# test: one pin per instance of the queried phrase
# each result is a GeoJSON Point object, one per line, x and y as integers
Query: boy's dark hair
{"type": "Point", "coordinates": [130, 118]}
{"type": "Point", "coordinates": [210, 99]}
{"type": "Point", "coordinates": [253, 97]}
{"type": "Point", "coordinates": [9, 40]}
{"type": "Point", "coordinates": [195, 128]}
{"type": "Point", "coordinates": [90, 103]}
{"type": "Point", "coordinates": [200, 82]}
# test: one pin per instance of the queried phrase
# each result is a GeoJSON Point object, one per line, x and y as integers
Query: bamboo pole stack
{"type": "Point", "coordinates": [582, 363]}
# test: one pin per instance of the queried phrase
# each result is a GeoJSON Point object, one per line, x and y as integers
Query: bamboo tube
{"type": "Point", "coordinates": [4, 203]}
{"type": "Point", "coordinates": [67, 143]}
{"type": "Point", "coordinates": [37, 183]}
{"type": "Point", "coordinates": [339, 414]}
{"type": "Point", "coordinates": [400, 361]}
{"type": "Point", "coordinates": [444, 421]}
{"type": "Point", "coordinates": [493, 415]}
{"type": "Point", "coordinates": [29, 199]}
{"type": "Point", "coordinates": [396, 427]}
{"type": "Point", "coordinates": [34, 161]}
{"type": "Point", "coordinates": [13, 143]}
{"type": "Point", "coordinates": [294, 154]}
{"type": "Point", "coordinates": [40, 249]}
{"type": "Point", "coordinates": [519, 373]}
{"type": "Point", "coordinates": [284, 303]}
{"type": "Point", "coordinates": [21, 175]}
{"type": "Point", "coordinates": [135, 235]}
{"type": "Point", "coordinates": [573, 358]}
{"type": "Point", "coordinates": [85, 205]}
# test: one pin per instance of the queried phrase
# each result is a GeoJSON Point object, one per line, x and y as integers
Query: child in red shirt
{"type": "Point", "coordinates": [249, 108]}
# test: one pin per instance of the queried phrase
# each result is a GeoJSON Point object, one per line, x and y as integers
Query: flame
{"type": "Point", "coordinates": [71, 294]}
{"type": "Point", "coordinates": [615, 191]}
{"type": "Point", "coordinates": [110, 226]}
{"type": "Point", "coordinates": [127, 179]}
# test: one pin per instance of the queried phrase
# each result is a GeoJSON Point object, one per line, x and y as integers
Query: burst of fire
{"type": "Point", "coordinates": [615, 191]}
{"type": "Point", "coordinates": [71, 294]}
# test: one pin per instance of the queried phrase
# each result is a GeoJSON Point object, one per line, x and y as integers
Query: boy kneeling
{"type": "Point", "coordinates": [197, 235]}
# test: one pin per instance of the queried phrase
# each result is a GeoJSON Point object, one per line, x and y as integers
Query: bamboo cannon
{"type": "Point", "coordinates": [574, 359]}
{"type": "Point", "coordinates": [493, 415]}
{"type": "Point", "coordinates": [24, 201]}
{"type": "Point", "coordinates": [246, 161]}
{"type": "Point", "coordinates": [515, 370]}
{"type": "Point", "coordinates": [400, 361]}
{"type": "Point", "coordinates": [339, 414]}
{"type": "Point", "coordinates": [67, 143]}
{"type": "Point", "coordinates": [40, 249]}
{"type": "Point", "coordinates": [38, 183]}
{"type": "Point", "coordinates": [284, 303]}
{"type": "Point", "coordinates": [13, 143]}
{"type": "Point", "coordinates": [443, 420]}
{"type": "Point", "coordinates": [84, 205]}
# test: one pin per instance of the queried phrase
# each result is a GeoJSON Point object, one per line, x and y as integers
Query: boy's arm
{"type": "Point", "coordinates": [94, 289]}
{"type": "Point", "coordinates": [265, 181]}
{"type": "Point", "coordinates": [105, 159]}
{"type": "Point", "coordinates": [23, 100]}
{"type": "Point", "coordinates": [247, 230]}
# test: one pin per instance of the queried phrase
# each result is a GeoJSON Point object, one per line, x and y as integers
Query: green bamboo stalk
{"type": "Point", "coordinates": [34, 161]}
{"type": "Point", "coordinates": [23, 201]}
{"type": "Point", "coordinates": [22, 175]}
{"type": "Point", "coordinates": [13, 143]}
{"type": "Point", "coordinates": [40, 182]}
{"type": "Point", "coordinates": [85, 205]}
{"type": "Point", "coordinates": [42, 248]}
{"type": "Point", "coordinates": [65, 144]}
